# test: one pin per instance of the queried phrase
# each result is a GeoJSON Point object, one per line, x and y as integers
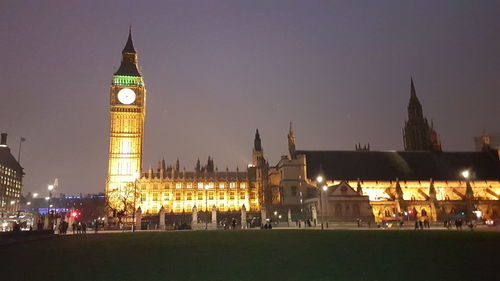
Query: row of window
{"type": "Point", "coordinates": [125, 124]}
{"type": "Point", "coordinates": [7, 171]}
{"type": "Point", "coordinates": [199, 185]}
{"type": "Point", "coordinates": [188, 207]}
{"type": "Point", "coordinates": [12, 192]}
{"type": "Point", "coordinates": [10, 182]}
{"type": "Point", "coordinates": [201, 196]}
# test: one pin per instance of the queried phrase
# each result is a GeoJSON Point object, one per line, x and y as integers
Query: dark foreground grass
{"type": "Point", "coordinates": [257, 255]}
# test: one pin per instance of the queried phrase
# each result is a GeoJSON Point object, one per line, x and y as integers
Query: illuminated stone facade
{"type": "Point", "coordinates": [422, 183]}
{"type": "Point", "coordinates": [177, 191]}
{"type": "Point", "coordinates": [180, 191]}
{"type": "Point", "coordinates": [127, 115]}
{"type": "Point", "coordinates": [393, 181]}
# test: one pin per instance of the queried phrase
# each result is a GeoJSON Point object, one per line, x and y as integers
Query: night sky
{"type": "Point", "coordinates": [217, 70]}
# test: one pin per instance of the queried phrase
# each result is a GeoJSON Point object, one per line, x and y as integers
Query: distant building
{"type": "Point", "coordinates": [90, 206]}
{"type": "Point", "coordinates": [11, 178]}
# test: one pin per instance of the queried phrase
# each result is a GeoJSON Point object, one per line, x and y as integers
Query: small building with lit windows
{"type": "Point", "coordinates": [11, 178]}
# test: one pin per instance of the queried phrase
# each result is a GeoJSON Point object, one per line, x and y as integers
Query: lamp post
{"type": "Point", "coordinates": [319, 180]}
{"type": "Point", "coordinates": [325, 188]}
{"type": "Point", "coordinates": [206, 206]}
{"type": "Point", "coordinates": [469, 195]}
{"type": "Point", "coordinates": [50, 188]}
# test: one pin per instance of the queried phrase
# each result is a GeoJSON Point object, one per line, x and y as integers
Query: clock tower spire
{"type": "Point", "coordinates": [126, 131]}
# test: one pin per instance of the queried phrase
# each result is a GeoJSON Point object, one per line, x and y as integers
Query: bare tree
{"type": "Point", "coordinates": [121, 202]}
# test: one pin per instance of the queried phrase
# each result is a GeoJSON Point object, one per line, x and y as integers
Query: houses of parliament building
{"type": "Point", "coordinates": [422, 180]}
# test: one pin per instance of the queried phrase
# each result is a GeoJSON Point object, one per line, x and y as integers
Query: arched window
{"type": "Point", "coordinates": [424, 213]}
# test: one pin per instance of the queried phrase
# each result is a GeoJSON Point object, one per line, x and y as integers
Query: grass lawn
{"type": "Point", "coordinates": [257, 255]}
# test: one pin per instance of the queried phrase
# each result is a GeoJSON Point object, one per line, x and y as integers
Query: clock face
{"type": "Point", "coordinates": [126, 96]}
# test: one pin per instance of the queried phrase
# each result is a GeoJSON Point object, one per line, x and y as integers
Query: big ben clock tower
{"type": "Point", "coordinates": [127, 114]}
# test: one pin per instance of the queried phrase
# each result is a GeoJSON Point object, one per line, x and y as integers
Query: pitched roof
{"type": "Point", "coordinates": [128, 69]}
{"type": "Point", "coordinates": [8, 160]}
{"type": "Point", "coordinates": [129, 46]}
{"type": "Point", "coordinates": [404, 165]}
{"type": "Point", "coordinates": [128, 66]}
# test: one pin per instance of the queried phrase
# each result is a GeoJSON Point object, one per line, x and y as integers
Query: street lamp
{"type": "Point", "coordinates": [465, 174]}
{"type": "Point", "coordinates": [325, 188]}
{"type": "Point", "coordinates": [35, 195]}
{"type": "Point", "coordinates": [319, 180]}
{"type": "Point", "coordinates": [50, 188]}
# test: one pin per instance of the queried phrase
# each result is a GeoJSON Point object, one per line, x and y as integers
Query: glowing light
{"type": "Point", "coordinates": [127, 80]}
{"type": "Point", "coordinates": [12, 202]}
{"type": "Point", "coordinates": [35, 195]}
{"type": "Point", "coordinates": [50, 187]}
{"type": "Point", "coordinates": [29, 203]}
{"type": "Point", "coordinates": [465, 174]}
{"type": "Point", "coordinates": [47, 198]}
{"type": "Point", "coordinates": [479, 214]}
{"type": "Point", "coordinates": [275, 213]}
{"type": "Point", "coordinates": [325, 188]}
{"type": "Point", "coordinates": [126, 96]}
{"type": "Point", "coordinates": [319, 179]}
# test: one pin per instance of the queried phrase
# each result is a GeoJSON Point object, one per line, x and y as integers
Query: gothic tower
{"type": "Point", "coordinates": [291, 143]}
{"type": "Point", "coordinates": [261, 167]}
{"type": "Point", "coordinates": [127, 114]}
{"type": "Point", "coordinates": [417, 134]}
{"type": "Point", "coordinates": [257, 153]}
